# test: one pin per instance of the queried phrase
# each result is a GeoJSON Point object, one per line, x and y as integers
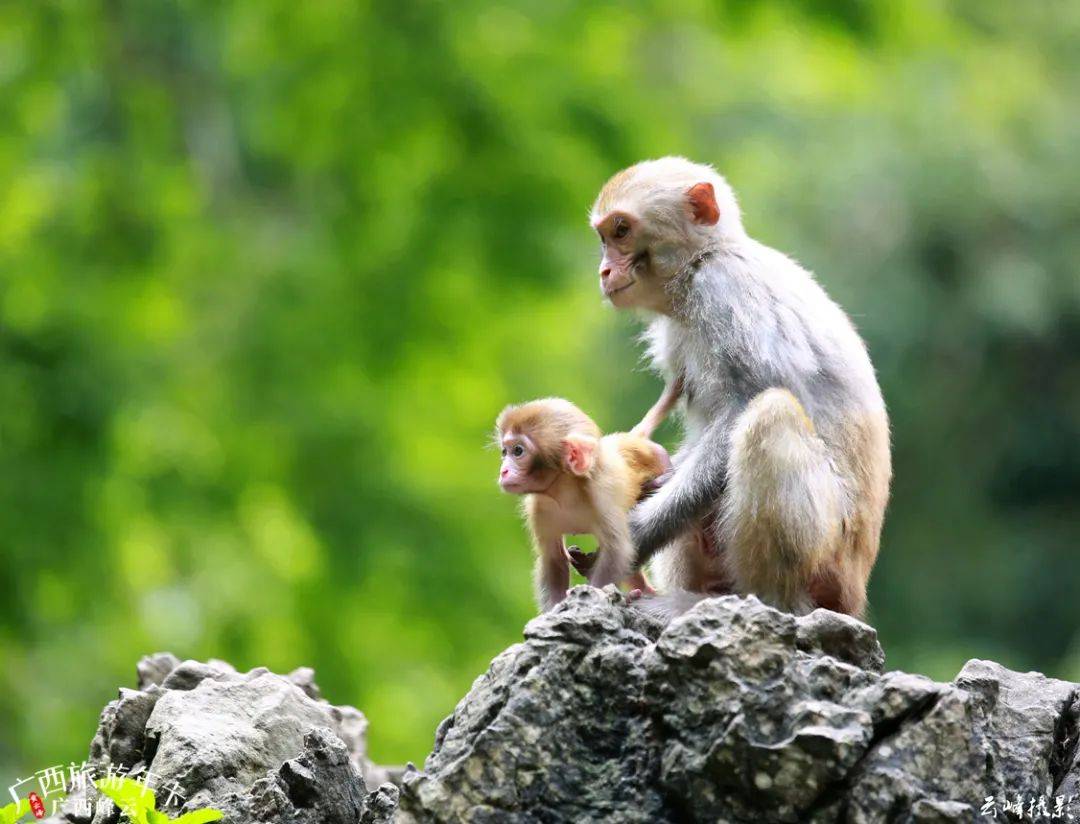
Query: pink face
{"type": "Point", "coordinates": [624, 261]}
{"type": "Point", "coordinates": [523, 470]}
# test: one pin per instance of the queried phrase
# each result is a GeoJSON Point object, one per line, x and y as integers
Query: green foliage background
{"type": "Point", "coordinates": [268, 270]}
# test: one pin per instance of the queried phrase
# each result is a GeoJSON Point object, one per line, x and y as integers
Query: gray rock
{"type": "Point", "coordinates": [735, 712]}
{"type": "Point", "coordinates": [187, 675]}
{"type": "Point", "coordinates": [121, 735]}
{"type": "Point", "coordinates": [225, 733]}
{"type": "Point", "coordinates": [380, 805]}
{"type": "Point", "coordinates": [1065, 760]}
{"type": "Point", "coordinates": [842, 637]}
{"type": "Point", "coordinates": [319, 786]}
{"type": "Point", "coordinates": [154, 669]}
{"type": "Point", "coordinates": [738, 713]}
{"type": "Point", "coordinates": [304, 677]}
{"type": "Point", "coordinates": [259, 746]}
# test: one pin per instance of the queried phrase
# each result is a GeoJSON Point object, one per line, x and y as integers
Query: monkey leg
{"type": "Point", "coordinates": [551, 578]}
{"type": "Point", "coordinates": [614, 557]}
{"type": "Point", "coordinates": [637, 582]}
{"type": "Point", "coordinates": [679, 565]}
{"type": "Point", "coordinates": [708, 540]}
{"type": "Point", "coordinates": [694, 562]}
{"type": "Point", "coordinates": [781, 515]}
{"type": "Point", "coordinates": [583, 562]}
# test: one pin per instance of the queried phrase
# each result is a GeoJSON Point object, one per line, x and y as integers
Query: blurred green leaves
{"type": "Point", "coordinates": [10, 813]}
{"type": "Point", "coordinates": [269, 270]}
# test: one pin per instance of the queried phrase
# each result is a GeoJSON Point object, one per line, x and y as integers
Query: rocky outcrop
{"type": "Point", "coordinates": [735, 712]}
{"type": "Point", "coordinates": [258, 746]}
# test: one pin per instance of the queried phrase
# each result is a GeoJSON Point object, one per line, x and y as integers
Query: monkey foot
{"type": "Point", "coordinates": [639, 583]}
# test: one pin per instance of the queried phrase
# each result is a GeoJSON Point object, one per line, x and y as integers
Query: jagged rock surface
{"type": "Point", "coordinates": [258, 746]}
{"type": "Point", "coordinates": [735, 712]}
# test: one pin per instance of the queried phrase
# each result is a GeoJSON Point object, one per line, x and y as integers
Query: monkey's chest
{"type": "Point", "coordinates": [576, 518]}
{"type": "Point", "coordinates": [707, 395]}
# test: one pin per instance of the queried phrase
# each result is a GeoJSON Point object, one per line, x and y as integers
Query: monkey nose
{"type": "Point", "coordinates": [504, 473]}
{"type": "Point", "coordinates": [605, 273]}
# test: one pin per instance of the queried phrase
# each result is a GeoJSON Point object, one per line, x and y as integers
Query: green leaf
{"type": "Point", "coordinates": [199, 817]}
{"type": "Point", "coordinates": [13, 812]}
{"type": "Point", "coordinates": [134, 798]}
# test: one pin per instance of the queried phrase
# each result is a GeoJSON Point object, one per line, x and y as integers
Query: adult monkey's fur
{"type": "Point", "coordinates": [786, 453]}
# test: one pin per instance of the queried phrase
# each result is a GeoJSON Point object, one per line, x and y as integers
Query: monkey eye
{"type": "Point", "coordinates": [503, 452]}
{"type": "Point", "coordinates": [622, 229]}
{"type": "Point", "coordinates": [519, 450]}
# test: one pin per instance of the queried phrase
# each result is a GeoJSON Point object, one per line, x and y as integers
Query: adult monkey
{"type": "Point", "coordinates": [786, 455]}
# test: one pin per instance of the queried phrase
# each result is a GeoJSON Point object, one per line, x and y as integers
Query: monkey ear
{"type": "Point", "coordinates": [703, 203]}
{"type": "Point", "coordinates": [579, 453]}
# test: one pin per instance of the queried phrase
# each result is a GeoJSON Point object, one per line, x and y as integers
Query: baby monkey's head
{"type": "Point", "coordinates": [540, 440]}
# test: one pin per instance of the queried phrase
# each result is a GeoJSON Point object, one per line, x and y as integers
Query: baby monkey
{"type": "Point", "coordinates": [575, 481]}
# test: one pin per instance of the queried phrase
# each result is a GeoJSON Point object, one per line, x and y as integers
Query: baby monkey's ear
{"type": "Point", "coordinates": [579, 454]}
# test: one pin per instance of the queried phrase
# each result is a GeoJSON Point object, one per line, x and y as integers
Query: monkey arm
{"type": "Point", "coordinates": [551, 572]}
{"type": "Point", "coordinates": [693, 487]}
{"type": "Point", "coordinates": [661, 409]}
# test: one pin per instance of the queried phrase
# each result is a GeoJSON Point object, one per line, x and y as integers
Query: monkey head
{"type": "Point", "coordinates": [541, 440]}
{"type": "Point", "coordinates": [652, 219]}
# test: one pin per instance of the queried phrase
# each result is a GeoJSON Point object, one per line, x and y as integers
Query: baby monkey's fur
{"type": "Point", "coordinates": [575, 481]}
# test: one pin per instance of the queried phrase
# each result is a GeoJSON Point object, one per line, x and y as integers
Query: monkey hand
{"type": "Point", "coordinates": [650, 487]}
{"type": "Point", "coordinates": [581, 561]}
